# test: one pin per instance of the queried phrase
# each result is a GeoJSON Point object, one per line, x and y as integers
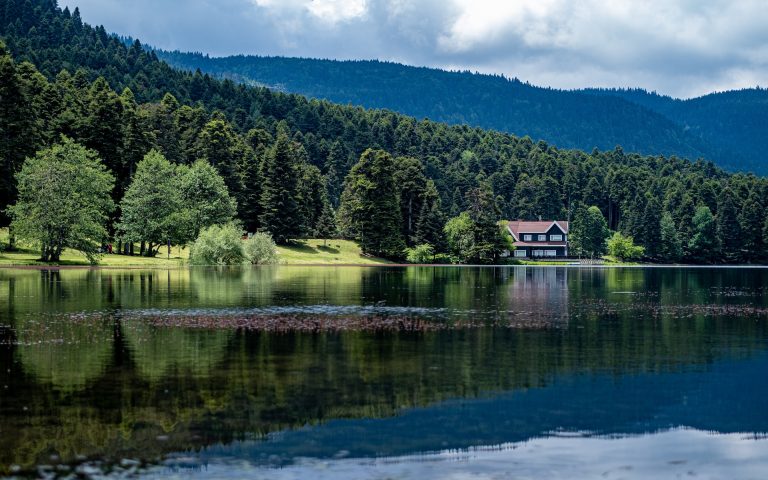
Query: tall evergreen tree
{"type": "Point", "coordinates": [280, 214]}
{"type": "Point", "coordinates": [588, 232]}
{"type": "Point", "coordinates": [484, 214]}
{"type": "Point", "coordinates": [650, 228]}
{"type": "Point", "coordinates": [751, 224]}
{"type": "Point", "coordinates": [728, 228]}
{"type": "Point", "coordinates": [429, 227]}
{"type": "Point", "coordinates": [704, 246]}
{"type": "Point", "coordinates": [670, 247]}
{"type": "Point", "coordinates": [370, 206]}
{"type": "Point", "coordinates": [326, 225]}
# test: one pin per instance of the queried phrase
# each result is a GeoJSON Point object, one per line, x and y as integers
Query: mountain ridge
{"type": "Point", "coordinates": [640, 121]}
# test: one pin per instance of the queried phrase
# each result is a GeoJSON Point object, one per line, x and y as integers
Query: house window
{"type": "Point", "coordinates": [520, 253]}
{"type": "Point", "coordinates": [556, 238]}
{"type": "Point", "coordinates": [542, 238]}
{"type": "Point", "coordinates": [527, 238]}
{"type": "Point", "coordinates": [550, 253]}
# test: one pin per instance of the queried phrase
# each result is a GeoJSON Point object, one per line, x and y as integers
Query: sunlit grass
{"type": "Point", "coordinates": [304, 252]}
{"type": "Point", "coordinates": [333, 252]}
{"type": "Point", "coordinates": [27, 255]}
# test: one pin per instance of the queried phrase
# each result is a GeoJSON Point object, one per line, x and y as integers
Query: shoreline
{"type": "Point", "coordinates": [369, 265]}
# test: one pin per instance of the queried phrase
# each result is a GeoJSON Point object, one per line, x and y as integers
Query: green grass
{"type": "Point", "coordinates": [312, 251]}
{"type": "Point", "coordinates": [305, 252]}
{"type": "Point", "coordinates": [25, 255]}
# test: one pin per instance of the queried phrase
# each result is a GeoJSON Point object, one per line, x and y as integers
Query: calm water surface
{"type": "Point", "coordinates": [536, 372]}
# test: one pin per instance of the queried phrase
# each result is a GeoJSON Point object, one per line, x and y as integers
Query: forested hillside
{"type": "Point", "coordinates": [727, 128]}
{"type": "Point", "coordinates": [282, 156]}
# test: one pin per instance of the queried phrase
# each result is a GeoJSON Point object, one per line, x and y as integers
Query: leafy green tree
{"type": "Point", "coordinates": [704, 245]}
{"type": "Point", "coordinates": [670, 247]}
{"type": "Point", "coordinates": [728, 228]}
{"type": "Point", "coordinates": [153, 208]}
{"type": "Point", "coordinates": [588, 233]}
{"type": "Point", "coordinates": [460, 235]}
{"type": "Point", "coordinates": [260, 249]}
{"type": "Point", "coordinates": [424, 253]}
{"type": "Point", "coordinates": [218, 245]}
{"type": "Point", "coordinates": [63, 201]}
{"type": "Point", "coordinates": [370, 207]}
{"type": "Point", "coordinates": [204, 198]}
{"type": "Point", "coordinates": [623, 248]}
{"type": "Point", "coordinates": [280, 215]}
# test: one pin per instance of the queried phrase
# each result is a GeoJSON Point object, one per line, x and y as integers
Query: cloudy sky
{"type": "Point", "coordinates": [682, 48]}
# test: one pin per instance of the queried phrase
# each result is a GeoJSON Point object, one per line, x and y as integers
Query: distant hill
{"type": "Point", "coordinates": [728, 128]}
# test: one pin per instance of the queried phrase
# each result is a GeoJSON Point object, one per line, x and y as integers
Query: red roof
{"type": "Point", "coordinates": [522, 226]}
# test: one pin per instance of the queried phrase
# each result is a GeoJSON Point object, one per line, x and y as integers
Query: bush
{"type": "Point", "coordinates": [423, 253]}
{"type": "Point", "coordinates": [218, 245]}
{"type": "Point", "coordinates": [624, 248]}
{"type": "Point", "coordinates": [260, 249]}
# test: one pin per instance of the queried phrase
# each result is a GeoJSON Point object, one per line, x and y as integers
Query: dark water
{"type": "Point", "coordinates": [539, 373]}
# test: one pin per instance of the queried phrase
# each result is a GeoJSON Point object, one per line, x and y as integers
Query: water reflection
{"type": "Point", "coordinates": [612, 351]}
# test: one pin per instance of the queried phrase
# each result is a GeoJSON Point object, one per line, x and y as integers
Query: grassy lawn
{"type": "Point", "coordinates": [337, 251]}
{"type": "Point", "coordinates": [25, 255]}
{"type": "Point", "coordinates": [301, 253]}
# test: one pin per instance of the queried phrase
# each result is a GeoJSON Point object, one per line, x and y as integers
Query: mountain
{"type": "Point", "coordinates": [728, 128]}
{"type": "Point", "coordinates": [61, 76]}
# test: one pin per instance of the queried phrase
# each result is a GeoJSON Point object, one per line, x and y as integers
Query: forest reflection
{"type": "Point", "coordinates": [84, 377]}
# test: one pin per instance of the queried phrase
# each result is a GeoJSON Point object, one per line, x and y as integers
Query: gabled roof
{"type": "Point", "coordinates": [518, 227]}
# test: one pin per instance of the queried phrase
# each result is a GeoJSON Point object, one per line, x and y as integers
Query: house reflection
{"type": "Point", "coordinates": [538, 297]}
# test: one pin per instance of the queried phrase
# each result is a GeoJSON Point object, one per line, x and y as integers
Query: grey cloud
{"type": "Point", "coordinates": [679, 47]}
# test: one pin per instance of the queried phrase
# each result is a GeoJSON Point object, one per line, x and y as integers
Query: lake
{"type": "Point", "coordinates": [384, 372]}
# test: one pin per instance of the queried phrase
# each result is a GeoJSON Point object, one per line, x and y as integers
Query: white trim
{"type": "Point", "coordinates": [509, 229]}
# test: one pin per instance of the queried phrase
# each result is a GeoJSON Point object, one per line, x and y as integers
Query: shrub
{"type": "Point", "coordinates": [260, 249]}
{"type": "Point", "coordinates": [423, 253]}
{"type": "Point", "coordinates": [624, 248]}
{"type": "Point", "coordinates": [218, 245]}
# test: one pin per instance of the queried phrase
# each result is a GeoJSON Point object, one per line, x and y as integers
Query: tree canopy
{"type": "Point", "coordinates": [63, 200]}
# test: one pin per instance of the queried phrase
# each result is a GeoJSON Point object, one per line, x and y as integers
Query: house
{"type": "Point", "coordinates": [539, 239]}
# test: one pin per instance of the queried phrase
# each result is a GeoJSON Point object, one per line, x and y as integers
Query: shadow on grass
{"type": "Point", "coordinates": [328, 249]}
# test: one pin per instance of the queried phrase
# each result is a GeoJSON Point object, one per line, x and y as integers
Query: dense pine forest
{"type": "Point", "coordinates": [727, 128]}
{"type": "Point", "coordinates": [296, 167]}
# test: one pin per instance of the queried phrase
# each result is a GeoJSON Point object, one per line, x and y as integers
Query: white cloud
{"type": "Point", "coordinates": [680, 47]}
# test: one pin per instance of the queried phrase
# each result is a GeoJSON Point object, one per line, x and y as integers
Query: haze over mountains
{"type": "Point", "coordinates": [728, 128]}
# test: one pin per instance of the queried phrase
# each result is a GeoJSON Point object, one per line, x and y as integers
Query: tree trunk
{"type": "Point", "coordinates": [142, 250]}
{"type": "Point", "coordinates": [11, 239]}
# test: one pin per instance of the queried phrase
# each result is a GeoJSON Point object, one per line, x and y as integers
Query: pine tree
{"type": "Point", "coordinates": [429, 227]}
{"type": "Point", "coordinates": [728, 228]}
{"type": "Point", "coordinates": [588, 232]}
{"type": "Point", "coordinates": [649, 228]}
{"type": "Point", "coordinates": [326, 224]}
{"type": "Point", "coordinates": [484, 214]}
{"type": "Point", "coordinates": [670, 247]}
{"type": "Point", "coordinates": [751, 224]}
{"type": "Point", "coordinates": [370, 206]}
{"type": "Point", "coordinates": [279, 212]}
{"type": "Point", "coordinates": [704, 245]}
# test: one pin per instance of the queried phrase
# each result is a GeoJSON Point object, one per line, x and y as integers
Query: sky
{"type": "Point", "coordinates": [683, 48]}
